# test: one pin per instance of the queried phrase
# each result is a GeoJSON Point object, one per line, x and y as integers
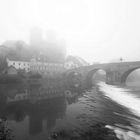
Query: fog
{"type": "Point", "coordinates": [98, 31]}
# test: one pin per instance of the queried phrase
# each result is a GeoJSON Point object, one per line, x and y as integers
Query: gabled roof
{"type": "Point", "coordinates": [11, 67]}
{"type": "Point", "coordinates": [12, 58]}
{"type": "Point", "coordinates": [77, 60]}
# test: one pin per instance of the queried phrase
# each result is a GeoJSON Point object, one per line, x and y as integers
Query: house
{"type": "Point", "coordinates": [74, 62]}
{"type": "Point", "coordinates": [19, 64]}
{"type": "Point", "coordinates": [70, 65]}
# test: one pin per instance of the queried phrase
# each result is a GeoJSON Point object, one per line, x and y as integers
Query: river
{"type": "Point", "coordinates": [118, 108]}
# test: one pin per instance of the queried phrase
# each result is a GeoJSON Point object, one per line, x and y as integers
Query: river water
{"type": "Point", "coordinates": [116, 107]}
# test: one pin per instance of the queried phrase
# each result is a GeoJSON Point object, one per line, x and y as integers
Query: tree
{"type": "Point", "coordinates": [3, 64]}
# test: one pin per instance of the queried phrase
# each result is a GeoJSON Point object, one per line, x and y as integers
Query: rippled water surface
{"type": "Point", "coordinates": [117, 107]}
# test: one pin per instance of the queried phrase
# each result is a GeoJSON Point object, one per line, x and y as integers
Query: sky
{"type": "Point", "coordinates": [96, 30]}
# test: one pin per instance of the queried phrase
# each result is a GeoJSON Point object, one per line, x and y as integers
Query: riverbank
{"type": "Point", "coordinates": [95, 132]}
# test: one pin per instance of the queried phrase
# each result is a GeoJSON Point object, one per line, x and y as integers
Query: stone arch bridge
{"type": "Point", "coordinates": [116, 73]}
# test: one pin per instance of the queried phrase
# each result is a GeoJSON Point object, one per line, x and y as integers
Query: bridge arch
{"type": "Point", "coordinates": [90, 75]}
{"type": "Point", "coordinates": [126, 74]}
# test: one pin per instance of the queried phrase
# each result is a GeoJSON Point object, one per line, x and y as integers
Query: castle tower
{"type": "Point", "coordinates": [36, 36]}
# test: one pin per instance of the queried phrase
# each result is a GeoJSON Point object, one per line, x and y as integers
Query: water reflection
{"type": "Point", "coordinates": [37, 90]}
{"type": "Point", "coordinates": [37, 114]}
{"type": "Point", "coordinates": [34, 111]}
{"type": "Point", "coordinates": [35, 107]}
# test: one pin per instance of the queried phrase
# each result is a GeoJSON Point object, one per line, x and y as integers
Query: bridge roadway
{"type": "Point", "coordinates": [116, 73]}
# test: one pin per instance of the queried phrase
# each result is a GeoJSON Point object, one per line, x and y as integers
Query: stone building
{"type": "Point", "coordinates": [46, 69]}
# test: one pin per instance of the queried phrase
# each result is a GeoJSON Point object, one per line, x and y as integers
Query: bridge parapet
{"type": "Point", "coordinates": [116, 73]}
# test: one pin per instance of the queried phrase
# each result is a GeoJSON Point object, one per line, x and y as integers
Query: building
{"type": "Point", "coordinates": [36, 36]}
{"type": "Point", "coordinates": [19, 65]}
{"type": "Point", "coordinates": [46, 69]}
{"type": "Point", "coordinates": [70, 65]}
{"type": "Point", "coordinates": [74, 62]}
{"type": "Point", "coordinates": [47, 49]}
{"type": "Point", "coordinates": [43, 68]}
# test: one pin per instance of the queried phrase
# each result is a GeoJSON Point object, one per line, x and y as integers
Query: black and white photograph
{"type": "Point", "coordinates": [69, 69]}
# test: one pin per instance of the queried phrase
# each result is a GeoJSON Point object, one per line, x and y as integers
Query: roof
{"type": "Point", "coordinates": [11, 67]}
{"type": "Point", "coordinates": [77, 60]}
{"type": "Point", "coordinates": [17, 59]}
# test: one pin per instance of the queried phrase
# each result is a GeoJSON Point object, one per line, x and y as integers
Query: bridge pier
{"type": "Point", "coordinates": [113, 78]}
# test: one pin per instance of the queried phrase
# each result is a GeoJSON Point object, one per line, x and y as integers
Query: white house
{"type": "Point", "coordinates": [19, 65]}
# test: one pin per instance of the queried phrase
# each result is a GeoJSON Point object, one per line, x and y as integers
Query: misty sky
{"type": "Point", "coordinates": [97, 30]}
